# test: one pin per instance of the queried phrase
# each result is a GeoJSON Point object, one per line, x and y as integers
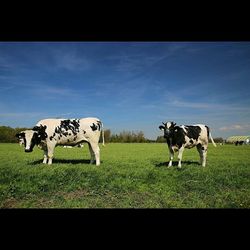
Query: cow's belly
{"type": "Point", "coordinates": [190, 142]}
{"type": "Point", "coordinates": [71, 140]}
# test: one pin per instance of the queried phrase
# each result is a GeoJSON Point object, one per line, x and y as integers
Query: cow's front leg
{"type": "Point", "coordinates": [203, 154]}
{"type": "Point", "coordinates": [180, 156]}
{"type": "Point", "coordinates": [50, 154]}
{"type": "Point", "coordinates": [171, 157]}
{"type": "Point", "coordinates": [45, 156]}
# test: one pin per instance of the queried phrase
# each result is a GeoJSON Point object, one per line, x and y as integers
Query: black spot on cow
{"type": "Point", "coordinates": [94, 127]}
{"type": "Point", "coordinates": [207, 131]}
{"type": "Point", "coordinates": [202, 148]}
{"type": "Point", "coordinates": [65, 134]}
{"type": "Point", "coordinates": [68, 140]}
{"type": "Point", "coordinates": [176, 137]}
{"type": "Point", "coordinates": [72, 125]}
{"type": "Point", "coordinates": [21, 135]}
{"type": "Point", "coordinates": [84, 131]}
{"type": "Point", "coordinates": [57, 130]}
{"type": "Point", "coordinates": [51, 137]}
{"type": "Point", "coordinates": [191, 141]}
{"type": "Point", "coordinates": [41, 132]}
{"type": "Point", "coordinates": [193, 132]}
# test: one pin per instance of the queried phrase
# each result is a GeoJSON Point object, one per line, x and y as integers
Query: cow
{"type": "Point", "coordinates": [49, 133]}
{"type": "Point", "coordinates": [186, 136]}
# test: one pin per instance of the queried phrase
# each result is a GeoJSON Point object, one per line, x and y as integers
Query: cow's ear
{"type": "Point", "coordinates": [20, 135]}
{"type": "Point", "coordinates": [161, 127]}
{"type": "Point", "coordinates": [173, 124]}
{"type": "Point", "coordinates": [36, 128]}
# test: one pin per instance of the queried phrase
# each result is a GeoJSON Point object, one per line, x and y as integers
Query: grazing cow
{"type": "Point", "coordinates": [180, 137]}
{"type": "Point", "coordinates": [49, 133]}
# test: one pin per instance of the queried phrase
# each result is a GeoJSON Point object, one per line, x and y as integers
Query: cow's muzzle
{"type": "Point", "coordinates": [166, 133]}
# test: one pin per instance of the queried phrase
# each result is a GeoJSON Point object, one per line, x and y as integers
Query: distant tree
{"type": "Point", "coordinates": [107, 136]}
{"type": "Point", "coordinates": [128, 137]}
{"type": "Point", "coordinates": [160, 139]}
{"type": "Point", "coordinates": [217, 140]}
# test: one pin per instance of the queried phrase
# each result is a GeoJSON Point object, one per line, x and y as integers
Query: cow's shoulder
{"type": "Point", "coordinates": [178, 137]}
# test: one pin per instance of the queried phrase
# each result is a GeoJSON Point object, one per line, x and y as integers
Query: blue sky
{"type": "Point", "coordinates": [131, 86]}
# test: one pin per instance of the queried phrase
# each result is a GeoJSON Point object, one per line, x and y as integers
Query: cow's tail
{"type": "Point", "coordinates": [103, 143]}
{"type": "Point", "coordinates": [212, 139]}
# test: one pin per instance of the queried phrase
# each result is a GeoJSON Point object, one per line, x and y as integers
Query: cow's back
{"type": "Point", "coordinates": [50, 124]}
{"type": "Point", "coordinates": [71, 131]}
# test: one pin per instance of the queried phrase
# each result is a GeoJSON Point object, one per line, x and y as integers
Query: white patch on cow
{"type": "Point", "coordinates": [28, 136]}
{"type": "Point", "coordinates": [184, 128]}
{"type": "Point", "coordinates": [168, 125]}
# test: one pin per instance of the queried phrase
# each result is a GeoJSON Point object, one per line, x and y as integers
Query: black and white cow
{"type": "Point", "coordinates": [49, 133]}
{"type": "Point", "coordinates": [186, 136]}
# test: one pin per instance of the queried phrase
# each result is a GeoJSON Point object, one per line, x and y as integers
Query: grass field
{"type": "Point", "coordinates": [130, 176]}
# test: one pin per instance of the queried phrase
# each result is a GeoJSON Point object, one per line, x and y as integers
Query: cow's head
{"type": "Point", "coordinates": [32, 137]}
{"type": "Point", "coordinates": [29, 138]}
{"type": "Point", "coordinates": [168, 128]}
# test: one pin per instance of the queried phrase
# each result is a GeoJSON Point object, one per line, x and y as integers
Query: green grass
{"type": "Point", "coordinates": [130, 176]}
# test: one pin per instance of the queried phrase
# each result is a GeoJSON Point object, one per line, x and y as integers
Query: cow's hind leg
{"type": "Point", "coordinates": [96, 150]}
{"type": "Point", "coordinates": [92, 154]}
{"type": "Point", "coordinates": [202, 149]}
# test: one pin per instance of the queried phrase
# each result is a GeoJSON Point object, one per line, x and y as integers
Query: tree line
{"type": "Point", "coordinates": [125, 136]}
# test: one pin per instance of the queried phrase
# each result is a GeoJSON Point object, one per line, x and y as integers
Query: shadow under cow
{"type": "Point", "coordinates": [175, 163]}
{"type": "Point", "coordinates": [62, 161]}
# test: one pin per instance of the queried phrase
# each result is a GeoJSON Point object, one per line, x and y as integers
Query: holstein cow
{"type": "Point", "coordinates": [49, 133]}
{"type": "Point", "coordinates": [186, 136]}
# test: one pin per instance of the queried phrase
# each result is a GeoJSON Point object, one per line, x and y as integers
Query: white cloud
{"type": "Point", "coordinates": [20, 114]}
{"type": "Point", "coordinates": [70, 60]}
{"type": "Point", "coordinates": [245, 127]}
